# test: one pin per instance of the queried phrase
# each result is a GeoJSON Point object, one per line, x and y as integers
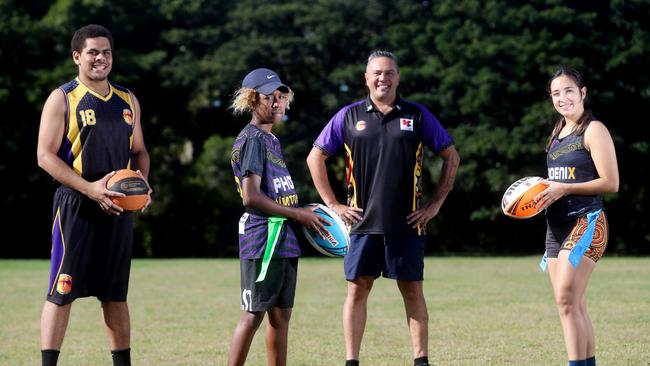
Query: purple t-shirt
{"type": "Point", "coordinates": [384, 156]}
{"type": "Point", "coordinates": [259, 153]}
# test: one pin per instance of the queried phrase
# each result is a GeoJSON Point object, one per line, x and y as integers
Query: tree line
{"type": "Point", "coordinates": [480, 66]}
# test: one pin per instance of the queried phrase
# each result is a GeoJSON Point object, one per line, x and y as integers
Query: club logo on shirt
{"type": "Point", "coordinates": [290, 200]}
{"type": "Point", "coordinates": [283, 184]}
{"type": "Point", "coordinates": [128, 116]}
{"type": "Point", "coordinates": [64, 284]}
{"type": "Point", "coordinates": [576, 146]}
{"type": "Point", "coordinates": [406, 124]}
{"type": "Point", "coordinates": [562, 173]}
{"type": "Point", "coordinates": [360, 126]}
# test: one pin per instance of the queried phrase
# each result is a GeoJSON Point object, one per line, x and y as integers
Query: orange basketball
{"type": "Point", "coordinates": [132, 185]}
{"type": "Point", "coordinates": [518, 201]}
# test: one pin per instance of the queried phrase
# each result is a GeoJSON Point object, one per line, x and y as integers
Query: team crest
{"type": "Point", "coordinates": [360, 126]}
{"type": "Point", "coordinates": [64, 284]}
{"type": "Point", "coordinates": [406, 124]}
{"type": "Point", "coordinates": [128, 116]}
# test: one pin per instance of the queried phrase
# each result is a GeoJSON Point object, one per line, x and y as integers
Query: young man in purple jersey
{"type": "Point", "coordinates": [383, 138]}
{"type": "Point", "coordinates": [268, 246]}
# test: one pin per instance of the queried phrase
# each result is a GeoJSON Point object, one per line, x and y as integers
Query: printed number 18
{"type": "Point", "coordinates": [87, 117]}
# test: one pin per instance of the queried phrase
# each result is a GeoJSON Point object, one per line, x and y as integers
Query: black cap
{"type": "Point", "coordinates": [264, 81]}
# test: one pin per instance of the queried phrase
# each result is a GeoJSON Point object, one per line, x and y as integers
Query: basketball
{"type": "Point", "coordinates": [132, 185]}
{"type": "Point", "coordinates": [518, 201]}
{"type": "Point", "coordinates": [336, 243]}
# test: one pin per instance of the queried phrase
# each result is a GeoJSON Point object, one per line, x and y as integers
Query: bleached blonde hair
{"type": "Point", "coordinates": [245, 98]}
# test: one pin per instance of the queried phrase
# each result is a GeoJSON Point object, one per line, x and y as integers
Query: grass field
{"type": "Point", "coordinates": [483, 311]}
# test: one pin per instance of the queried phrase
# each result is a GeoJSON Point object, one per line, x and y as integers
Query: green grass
{"type": "Point", "coordinates": [483, 311]}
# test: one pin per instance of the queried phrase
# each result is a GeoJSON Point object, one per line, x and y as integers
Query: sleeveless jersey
{"type": "Point", "coordinates": [99, 130]}
{"type": "Point", "coordinates": [257, 152]}
{"type": "Point", "coordinates": [568, 161]}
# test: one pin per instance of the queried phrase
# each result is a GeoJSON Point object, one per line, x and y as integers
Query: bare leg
{"type": "Point", "coordinates": [569, 288]}
{"type": "Point", "coordinates": [355, 313]}
{"type": "Point", "coordinates": [54, 322]}
{"type": "Point", "coordinates": [417, 316]}
{"type": "Point", "coordinates": [243, 337]}
{"type": "Point", "coordinates": [277, 335]}
{"type": "Point", "coordinates": [591, 339]}
{"type": "Point", "coordinates": [118, 324]}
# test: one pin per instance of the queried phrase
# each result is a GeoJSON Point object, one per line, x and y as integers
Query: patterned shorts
{"type": "Point", "coordinates": [565, 236]}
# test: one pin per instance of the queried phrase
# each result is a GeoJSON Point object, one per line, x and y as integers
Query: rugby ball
{"type": "Point", "coordinates": [518, 201]}
{"type": "Point", "coordinates": [336, 243]}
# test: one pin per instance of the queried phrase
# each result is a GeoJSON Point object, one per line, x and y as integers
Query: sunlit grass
{"type": "Point", "coordinates": [484, 311]}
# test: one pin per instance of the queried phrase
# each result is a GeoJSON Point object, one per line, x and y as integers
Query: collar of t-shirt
{"type": "Point", "coordinates": [371, 107]}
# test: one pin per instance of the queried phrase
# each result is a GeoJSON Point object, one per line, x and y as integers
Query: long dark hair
{"type": "Point", "coordinates": [587, 116]}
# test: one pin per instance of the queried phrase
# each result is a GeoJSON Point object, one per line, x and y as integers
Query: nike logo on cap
{"type": "Point", "coordinates": [269, 76]}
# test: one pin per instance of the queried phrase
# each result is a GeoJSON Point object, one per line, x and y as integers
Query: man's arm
{"type": "Point", "coordinates": [50, 135]}
{"type": "Point", "coordinates": [451, 161]}
{"type": "Point", "coordinates": [318, 170]}
{"type": "Point", "coordinates": [139, 153]}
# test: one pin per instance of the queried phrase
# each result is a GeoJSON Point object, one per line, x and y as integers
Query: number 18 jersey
{"type": "Point", "coordinates": [99, 130]}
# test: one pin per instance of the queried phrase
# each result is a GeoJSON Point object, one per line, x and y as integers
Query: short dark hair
{"type": "Point", "coordinates": [383, 53]}
{"type": "Point", "coordinates": [89, 31]}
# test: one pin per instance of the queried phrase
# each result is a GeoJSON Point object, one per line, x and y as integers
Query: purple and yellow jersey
{"type": "Point", "coordinates": [99, 130]}
{"type": "Point", "coordinates": [384, 156]}
{"type": "Point", "coordinates": [259, 153]}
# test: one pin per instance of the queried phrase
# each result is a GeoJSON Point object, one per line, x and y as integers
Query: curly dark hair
{"type": "Point", "coordinates": [89, 31]}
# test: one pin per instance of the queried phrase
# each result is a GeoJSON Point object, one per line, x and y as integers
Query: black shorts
{"type": "Point", "coordinates": [399, 257]}
{"type": "Point", "coordinates": [565, 235]}
{"type": "Point", "coordinates": [278, 288]}
{"type": "Point", "coordinates": [91, 250]}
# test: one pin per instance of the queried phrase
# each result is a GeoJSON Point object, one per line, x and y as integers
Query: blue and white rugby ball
{"type": "Point", "coordinates": [337, 242]}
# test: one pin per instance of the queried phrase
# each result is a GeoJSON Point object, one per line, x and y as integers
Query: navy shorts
{"type": "Point", "coordinates": [399, 257]}
{"type": "Point", "coordinates": [565, 235]}
{"type": "Point", "coordinates": [278, 289]}
{"type": "Point", "coordinates": [91, 250]}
